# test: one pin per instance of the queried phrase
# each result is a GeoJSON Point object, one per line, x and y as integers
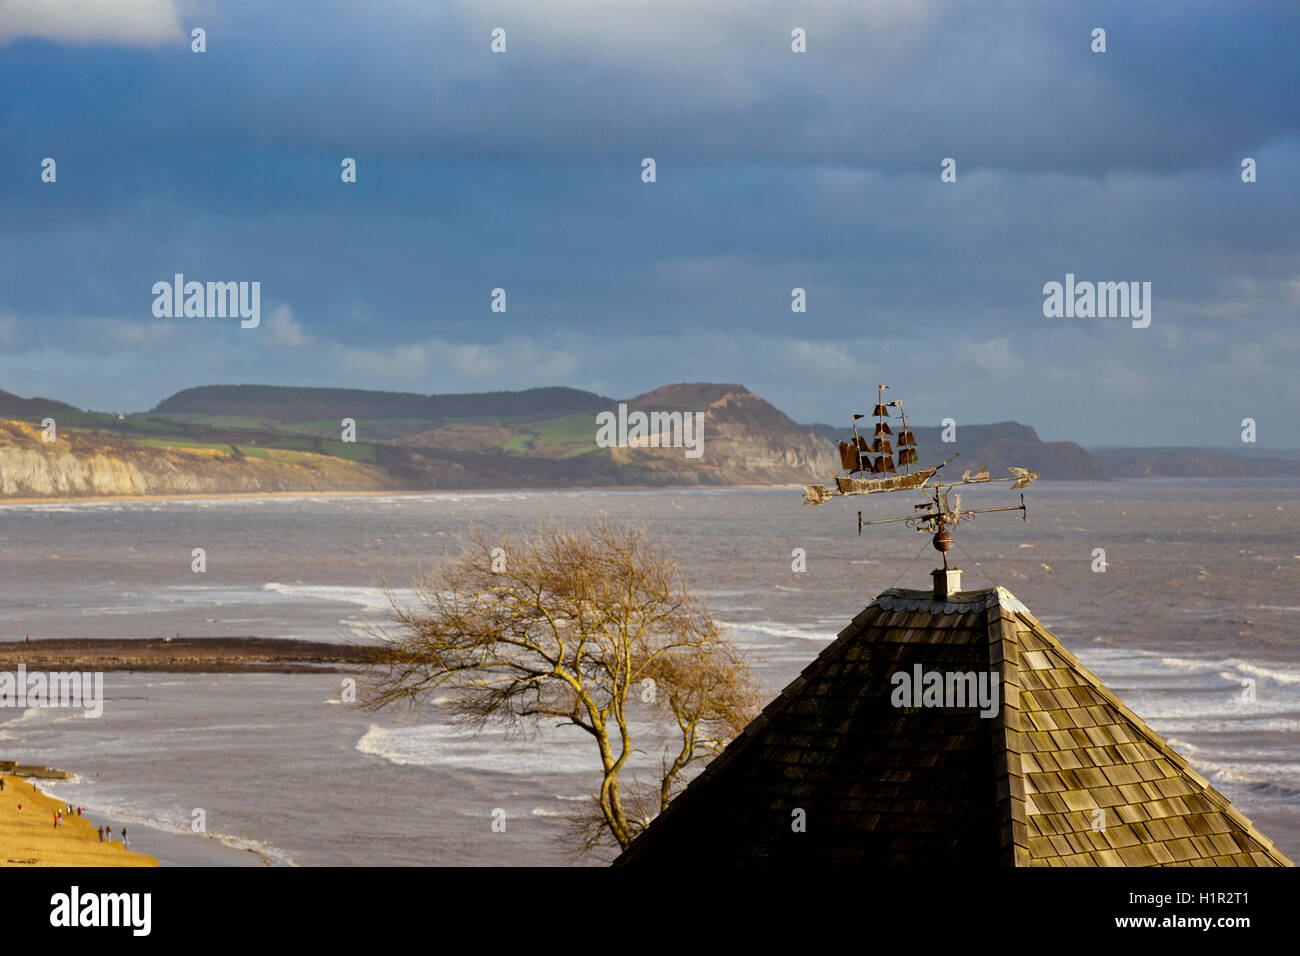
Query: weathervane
{"type": "Point", "coordinates": [873, 463]}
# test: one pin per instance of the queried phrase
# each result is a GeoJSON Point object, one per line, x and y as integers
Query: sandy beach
{"type": "Point", "coordinates": [30, 838]}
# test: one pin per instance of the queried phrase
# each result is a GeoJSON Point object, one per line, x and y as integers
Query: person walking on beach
{"type": "Point", "coordinates": [101, 834]}
{"type": "Point", "coordinates": [56, 819]}
{"type": "Point", "coordinates": [123, 836]}
{"type": "Point", "coordinates": [2, 784]}
{"type": "Point", "coordinates": [109, 832]}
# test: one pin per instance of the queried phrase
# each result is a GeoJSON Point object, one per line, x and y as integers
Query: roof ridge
{"type": "Point", "coordinates": [1008, 742]}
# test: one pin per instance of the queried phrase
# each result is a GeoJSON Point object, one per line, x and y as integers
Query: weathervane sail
{"type": "Point", "coordinates": [876, 459]}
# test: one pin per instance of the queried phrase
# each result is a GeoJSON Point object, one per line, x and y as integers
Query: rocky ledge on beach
{"type": "Point", "coordinates": [183, 655]}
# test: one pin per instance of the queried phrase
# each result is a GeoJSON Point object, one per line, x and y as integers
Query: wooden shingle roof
{"type": "Point", "coordinates": [1063, 774]}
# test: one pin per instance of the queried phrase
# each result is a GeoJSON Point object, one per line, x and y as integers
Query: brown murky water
{"type": "Point", "coordinates": [1200, 594]}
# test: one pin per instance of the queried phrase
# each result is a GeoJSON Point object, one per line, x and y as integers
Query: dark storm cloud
{"type": "Point", "coordinates": [776, 170]}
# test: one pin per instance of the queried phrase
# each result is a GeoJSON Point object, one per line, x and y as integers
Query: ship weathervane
{"type": "Point", "coordinates": [869, 468]}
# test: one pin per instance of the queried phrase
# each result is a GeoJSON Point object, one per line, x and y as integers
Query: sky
{"type": "Point", "coordinates": [774, 170]}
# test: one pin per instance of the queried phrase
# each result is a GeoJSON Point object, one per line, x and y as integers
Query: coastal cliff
{"type": "Point", "coordinates": [747, 441]}
{"type": "Point", "coordinates": [85, 464]}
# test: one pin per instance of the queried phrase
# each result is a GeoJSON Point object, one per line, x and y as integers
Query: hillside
{"type": "Point", "coordinates": [746, 440]}
{"type": "Point", "coordinates": [286, 404]}
{"type": "Point", "coordinates": [999, 446]}
{"type": "Point", "coordinates": [23, 409]}
{"type": "Point", "coordinates": [223, 439]}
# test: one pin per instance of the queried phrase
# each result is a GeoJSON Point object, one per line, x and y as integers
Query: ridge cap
{"type": "Point", "coordinates": [962, 602]}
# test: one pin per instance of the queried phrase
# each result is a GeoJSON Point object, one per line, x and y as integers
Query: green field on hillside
{"type": "Point", "coordinates": [210, 421]}
{"type": "Point", "coordinates": [292, 447]}
{"type": "Point", "coordinates": [179, 443]}
{"type": "Point", "coordinates": [365, 426]}
{"type": "Point", "coordinates": [564, 436]}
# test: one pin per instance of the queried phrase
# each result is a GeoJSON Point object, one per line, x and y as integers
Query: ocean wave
{"type": "Point", "coordinates": [1226, 667]}
{"type": "Point", "coordinates": [775, 629]}
{"type": "Point", "coordinates": [1231, 722]}
{"type": "Point", "coordinates": [370, 598]}
{"type": "Point", "coordinates": [1259, 778]}
{"type": "Point", "coordinates": [1271, 673]}
{"type": "Point", "coordinates": [30, 715]}
{"type": "Point", "coordinates": [443, 746]}
{"type": "Point", "coordinates": [1183, 664]}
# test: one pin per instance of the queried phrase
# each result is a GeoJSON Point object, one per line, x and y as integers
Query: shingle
{"type": "Point", "coordinates": [1161, 853]}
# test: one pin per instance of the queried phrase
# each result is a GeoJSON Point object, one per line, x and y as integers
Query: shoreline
{"type": "Point", "coordinates": [202, 496]}
{"type": "Point", "coordinates": [30, 838]}
{"type": "Point", "coordinates": [405, 493]}
{"type": "Point", "coordinates": [421, 492]}
{"type": "Point", "coordinates": [171, 845]}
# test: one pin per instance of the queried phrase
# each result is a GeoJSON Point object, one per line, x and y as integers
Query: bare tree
{"type": "Point", "coordinates": [583, 627]}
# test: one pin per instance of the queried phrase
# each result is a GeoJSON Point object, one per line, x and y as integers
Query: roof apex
{"type": "Point", "coordinates": [963, 602]}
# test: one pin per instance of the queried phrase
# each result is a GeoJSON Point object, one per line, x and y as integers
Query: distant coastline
{"type": "Point", "coordinates": [256, 441]}
{"type": "Point", "coordinates": [404, 493]}
{"type": "Point", "coordinates": [210, 495]}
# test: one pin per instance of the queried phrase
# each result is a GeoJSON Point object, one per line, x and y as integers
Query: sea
{"type": "Point", "coordinates": [1183, 596]}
